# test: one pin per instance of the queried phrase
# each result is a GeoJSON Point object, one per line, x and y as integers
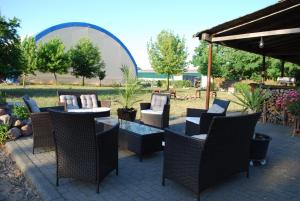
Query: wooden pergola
{"type": "Point", "coordinates": [273, 31]}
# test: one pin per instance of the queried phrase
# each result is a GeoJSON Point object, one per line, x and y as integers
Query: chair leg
{"type": "Point", "coordinates": [98, 186]}
{"type": "Point", "coordinates": [163, 181]}
{"type": "Point", "coordinates": [57, 181]}
{"type": "Point", "coordinates": [198, 197]}
{"type": "Point", "coordinates": [117, 171]}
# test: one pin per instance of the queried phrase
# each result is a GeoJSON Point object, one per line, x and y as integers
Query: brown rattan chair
{"type": "Point", "coordinates": [199, 162]}
{"type": "Point", "coordinates": [82, 152]}
{"type": "Point", "coordinates": [41, 126]}
{"type": "Point", "coordinates": [102, 103]}
{"type": "Point", "coordinates": [159, 119]}
{"type": "Point", "coordinates": [199, 120]}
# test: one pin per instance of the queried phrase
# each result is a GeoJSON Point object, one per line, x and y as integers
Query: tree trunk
{"type": "Point", "coordinates": [24, 79]}
{"type": "Point", "coordinates": [55, 78]}
{"type": "Point", "coordinates": [99, 83]}
{"type": "Point", "coordinates": [168, 82]}
{"type": "Point", "coordinates": [82, 82]}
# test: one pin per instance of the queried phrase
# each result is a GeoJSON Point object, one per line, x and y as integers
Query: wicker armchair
{"type": "Point", "coordinates": [41, 125]}
{"type": "Point", "coordinates": [199, 120]}
{"type": "Point", "coordinates": [102, 103]}
{"type": "Point", "coordinates": [82, 152]}
{"type": "Point", "coordinates": [157, 118]}
{"type": "Point", "coordinates": [199, 162]}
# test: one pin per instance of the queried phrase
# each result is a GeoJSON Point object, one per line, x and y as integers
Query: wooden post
{"type": "Point", "coordinates": [209, 67]}
{"type": "Point", "coordinates": [263, 70]}
{"type": "Point", "coordinates": [282, 68]}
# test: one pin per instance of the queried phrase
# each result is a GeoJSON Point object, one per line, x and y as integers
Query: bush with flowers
{"type": "Point", "coordinates": [290, 101]}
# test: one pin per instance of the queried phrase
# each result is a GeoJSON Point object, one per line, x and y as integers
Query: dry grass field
{"type": "Point", "coordinates": [46, 95]}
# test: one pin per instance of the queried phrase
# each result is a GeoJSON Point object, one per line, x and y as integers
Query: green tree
{"type": "Point", "coordinates": [10, 53]}
{"type": "Point", "coordinates": [52, 58]}
{"type": "Point", "coordinates": [240, 64]}
{"type": "Point", "coordinates": [200, 59]}
{"type": "Point", "coordinates": [167, 54]}
{"type": "Point", "coordinates": [85, 59]}
{"type": "Point", "coordinates": [29, 56]}
{"type": "Point", "coordinates": [101, 73]}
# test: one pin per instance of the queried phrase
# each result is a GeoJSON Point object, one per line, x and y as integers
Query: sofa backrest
{"type": "Point", "coordinates": [83, 100]}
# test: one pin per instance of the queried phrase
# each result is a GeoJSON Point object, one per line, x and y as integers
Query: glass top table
{"type": "Point", "coordinates": [138, 138]}
{"type": "Point", "coordinates": [140, 129]}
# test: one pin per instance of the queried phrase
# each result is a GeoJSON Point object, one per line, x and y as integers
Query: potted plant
{"type": "Point", "coordinates": [128, 95]}
{"type": "Point", "coordinates": [252, 100]}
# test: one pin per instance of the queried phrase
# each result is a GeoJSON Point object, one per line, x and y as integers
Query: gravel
{"type": "Point", "coordinates": [13, 185]}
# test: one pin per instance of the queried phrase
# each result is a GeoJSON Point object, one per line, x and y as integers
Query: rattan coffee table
{"type": "Point", "coordinates": [138, 138]}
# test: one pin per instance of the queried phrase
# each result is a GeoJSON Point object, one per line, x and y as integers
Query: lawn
{"type": "Point", "coordinates": [46, 95]}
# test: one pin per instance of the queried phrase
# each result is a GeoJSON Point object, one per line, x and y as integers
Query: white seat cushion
{"type": "Point", "coordinates": [215, 109]}
{"type": "Point", "coordinates": [195, 120]}
{"type": "Point", "coordinates": [88, 101]}
{"type": "Point", "coordinates": [33, 106]}
{"type": "Point", "coordinates": [200, 136]}
{"type": "Point", "coordinates": [70, 100]}
{"type": "Point", "coordinates": [149, 111]}
{"type": "Point", "coordinates": [158, 102]}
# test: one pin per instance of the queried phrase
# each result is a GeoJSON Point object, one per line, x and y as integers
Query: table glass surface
{"type": "Point", "coordinates": [133, 127]}
{"type": "Point", "coordinates": [98, 109]}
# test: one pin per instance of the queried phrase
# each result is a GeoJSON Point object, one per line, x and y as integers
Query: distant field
{"type": "Point", "coordinates": [46, 95]}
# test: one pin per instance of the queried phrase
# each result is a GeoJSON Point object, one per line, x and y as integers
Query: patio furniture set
{"type": "Point", "coordinates": [86, 138]}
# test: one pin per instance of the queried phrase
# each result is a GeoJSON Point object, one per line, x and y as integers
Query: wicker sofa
{"type": "Point", "coordinates": [82, 151]}
{"type": "Point", "coordinates": [81, 99]}
{"type": "Point", "coordinates": [41, 124]}
{"type": "Point", "coordinates": [200, 161]}
{"type": "Point", "coordinates": [199, 120]}
{"type": "Point", "coordinates": [157, 112]}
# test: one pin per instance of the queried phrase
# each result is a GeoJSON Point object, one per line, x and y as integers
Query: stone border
{"type": "Point", "coordinates": [46, 190]}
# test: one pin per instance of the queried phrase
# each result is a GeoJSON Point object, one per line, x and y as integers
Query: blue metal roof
{"type": "Point", "coordinates": [84, 24]}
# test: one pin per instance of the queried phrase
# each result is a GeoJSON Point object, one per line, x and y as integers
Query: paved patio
{"type": "Point", "coordinates": [279, 180]}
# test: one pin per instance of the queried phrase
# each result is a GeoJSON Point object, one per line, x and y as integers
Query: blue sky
{"type": "Point", "coordinates": [134, 22]}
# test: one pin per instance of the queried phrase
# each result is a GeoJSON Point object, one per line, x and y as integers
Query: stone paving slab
{"type": "Point", "coordinates": [279, 180]}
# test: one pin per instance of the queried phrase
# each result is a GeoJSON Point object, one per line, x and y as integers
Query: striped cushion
{"type": "Point", "coordinates": [158, 102]}
{"type": "Point", "coordinates": [89, 101]}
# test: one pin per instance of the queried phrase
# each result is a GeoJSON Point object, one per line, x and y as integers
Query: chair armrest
{"type": "Point", "coordinates": [181, 154]}
{"type": "Point", "coordinates": [45, 109]}
{"type": "Point", "coordinates": [105, 103]}
{"type": "Point", "coordinates": [107, 143]}
{"type": "Point", "coordinates": [41, 121]}
{"type": "Point", "coordinates": [145, 106]}
{"type": "Point", "coordinates": [193, 112]}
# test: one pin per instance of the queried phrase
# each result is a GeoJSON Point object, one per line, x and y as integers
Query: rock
{"type": "Point", "coordinates": [2, 111]}
{"type": "Point", "coordinates": [6, 119]}
{"type": "Point", "coordinates": [26, 130]}
{"type": "Point", "coordinates": [14, 133]}
{"type": "Point", "coordinates": [18, 123]}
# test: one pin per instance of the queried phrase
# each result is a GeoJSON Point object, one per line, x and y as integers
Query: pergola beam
{"type": "Point", "coordinates": [253, 35]}
{"type": "Point", "coordinates": [258, 19]}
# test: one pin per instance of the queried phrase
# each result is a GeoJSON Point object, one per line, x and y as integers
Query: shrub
{"type": "Point", "coordinates": [182, 83]}
{"type": "Point", "coordinates": [3, 133]}
{"type": "Point", "coordinates": [2, 97]}
{"type": "Point", "coordinates": [159, 83]}
{"type": "Point", "coordinates": [21, 112]}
